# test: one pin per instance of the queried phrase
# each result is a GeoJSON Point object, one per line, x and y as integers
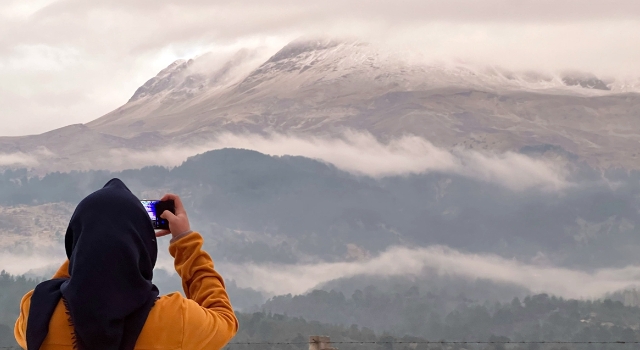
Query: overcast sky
{"type": "Point", "coordinates": [71, 61]}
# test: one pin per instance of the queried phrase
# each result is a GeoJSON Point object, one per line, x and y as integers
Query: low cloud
{"type": "Point", "coordinates": [121, 158]}
{"type": "Point", "coordinates": [41, 257]}
{"type": "Point", "coordinates": [400, 261]}
{"type": "Point", "coordinates": [363, 154]}
{"type": "Point", "coordinates": [40, 264]}
{"type": "Point", "coordinates": [22, 159]}
{"type": "Point", "coordinates": [17, 159]}
{"type": "Point", "coordinates": [278, 279]}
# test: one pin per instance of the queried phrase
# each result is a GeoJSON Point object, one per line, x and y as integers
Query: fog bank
{"type": "Point", "coordinates": [17, 159]}
{"type": "Point", "coordinates": [277, 279]}
{"type": "Point", "coordinates": [439, 260]}
{"type": "Point", "coordinates": [362, 154]}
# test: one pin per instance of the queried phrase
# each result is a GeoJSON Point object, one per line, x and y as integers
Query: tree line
{"type": "Point", "coordinates": [302, 207]}
{"type": "Point", "coordinates": [538, 317]}
{"type": "Point", "coordinates": [411, 318]}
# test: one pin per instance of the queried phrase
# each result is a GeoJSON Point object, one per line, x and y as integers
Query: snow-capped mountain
{"type": "Point", "coordinates": [324, 87]}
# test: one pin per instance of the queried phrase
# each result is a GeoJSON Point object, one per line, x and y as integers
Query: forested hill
{"type": "Point", "coordinates": [411, 317]}
{"type": "Point", "coordinates": [256, 327]}
{"type": "Point", "coordinates": [410, 312]}
{"type": "Point", "coordinates": [254, 207]}
{"type": "Point", "coordinates": [12, 288]}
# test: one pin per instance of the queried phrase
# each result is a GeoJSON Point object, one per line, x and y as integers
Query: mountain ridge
{"type": "Point", "coordinates": [324, 87]}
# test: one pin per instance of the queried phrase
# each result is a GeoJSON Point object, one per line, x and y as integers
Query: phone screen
{"type": "Point", "coordinates": [154, 209]}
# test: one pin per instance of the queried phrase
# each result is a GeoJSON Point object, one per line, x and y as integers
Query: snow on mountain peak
{"type": "Point", "coordinates": [164, 80]}
{"type": "Point", "coordinates": [300, 46]}
{"type": "Point", "coordinates": [348, 64]}
{"type": "Point", "coordinates": [187, 78]}
{"type": "Point", "coordinates": [324, 87]}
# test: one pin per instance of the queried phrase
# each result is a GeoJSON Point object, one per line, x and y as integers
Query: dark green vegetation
{"type": "Point", "coordinates": [283, 330]}
{"type": "Point", "coordinates": [12, 288]}
{"type": "Point", "coordinates": [413, 317]}
{"type": "Point", "coordinates": [410, 312]}
{"type": "Point", "coordinates": [254, 207]}
{"type": "Point", "coordinates": [273, 328]}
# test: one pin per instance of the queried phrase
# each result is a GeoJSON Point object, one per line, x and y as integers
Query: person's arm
{"type": "Point", "coordinates": [63, 271]}
{"type": "Point", "coordinates": [209, 320]}
{"type": "Point", "coordinates": [20, 329]}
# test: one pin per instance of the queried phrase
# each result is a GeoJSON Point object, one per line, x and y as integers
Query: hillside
{"type": "Point", "coordinates": [288, 214]}
{"type": "Point", "coordinates": [410, 312]}
{"type": "Point", "coordinates": [415, 317]}
{"type": "Point", "coordinates": [326, 87]}
{"type": "Point", "coordinates": [258, 208]}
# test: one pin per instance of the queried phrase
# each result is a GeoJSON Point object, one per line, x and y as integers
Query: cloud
{"type": "Point", "coordinates": [277, 279]}
{"type": "Point", "coordinates": [22, 159]}
{"type": "Point", "coordinates": [488, 10]}
{"type": "Point", "coordinates": [121, 159]}
{"type": "Point", "coordinates": [363, 154]}
{"type": "Point", "coordinates": [400, 261]}
{"type": "Point", "coordinates": [18, 264]}
{"type": "Point", "coordinates": [39, 255]}
{"type": "Point", "coordinates": [17, 159]}
{"type": "Point", "coordinates": [82, 59]}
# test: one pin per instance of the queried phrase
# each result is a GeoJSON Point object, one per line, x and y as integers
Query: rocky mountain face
{"type": "Point", "coordinates": [324, 87]}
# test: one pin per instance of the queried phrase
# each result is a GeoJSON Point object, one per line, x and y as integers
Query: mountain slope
{"type": "Point", "coordinates": [258, 208]}
{"type": "Point", "coordinates": [324, 87]}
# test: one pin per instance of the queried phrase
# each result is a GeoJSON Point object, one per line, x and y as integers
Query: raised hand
{"type": "Point", "coordinates": [178, 222]}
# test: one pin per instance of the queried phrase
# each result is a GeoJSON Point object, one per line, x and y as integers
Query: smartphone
{"type": "Point", "coordinates": [155, 208]}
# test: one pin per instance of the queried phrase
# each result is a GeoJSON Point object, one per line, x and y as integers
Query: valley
{"type": "Point", "coordinates": [334, 177]}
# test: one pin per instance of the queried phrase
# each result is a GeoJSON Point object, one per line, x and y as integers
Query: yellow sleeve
{"type": "Point", "coordinates": [209, 320]}
{"type": "Point", "coordinates": [20, 330]}
{"type": "Point", "coordinates": [63, 271]}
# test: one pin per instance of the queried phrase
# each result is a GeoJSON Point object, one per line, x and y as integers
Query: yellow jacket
{"type": "Point", "coordinates": [202, 320]}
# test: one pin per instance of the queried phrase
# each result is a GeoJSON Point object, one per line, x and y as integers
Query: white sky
{"type": "Point", "coordinates": [71, 61]}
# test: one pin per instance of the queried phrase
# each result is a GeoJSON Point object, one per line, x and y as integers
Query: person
{"type": "Point", "coordinates": [103, 297]}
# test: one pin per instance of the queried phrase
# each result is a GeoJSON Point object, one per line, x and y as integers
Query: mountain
{"type": "Point", "coordinates": [373, 319]}
{"type": "Point", "coordinates": [416, 312]}
{"type": "Point", "coordinates": [259, 209]}
{"type": "Point", "coordinates": [324, 87]}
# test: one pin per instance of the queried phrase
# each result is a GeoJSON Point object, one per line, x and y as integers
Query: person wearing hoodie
{"type": "Point", "coordinates": [103, 298]}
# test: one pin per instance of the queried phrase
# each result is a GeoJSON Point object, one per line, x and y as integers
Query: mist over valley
{"type": "Point", "coordinates": [321, 223]}
{"type": "Point", "coordinates": [338, 182]}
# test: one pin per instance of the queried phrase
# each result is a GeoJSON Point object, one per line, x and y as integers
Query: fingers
{"type": "Point", "coordinates": [178, 222]}
{"type": "Point", "coordinates": [176, 201]}
{"type": "Point", "coordinates": [162, 233]}
{"type": "Point", "coordinates": [168, 215]}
